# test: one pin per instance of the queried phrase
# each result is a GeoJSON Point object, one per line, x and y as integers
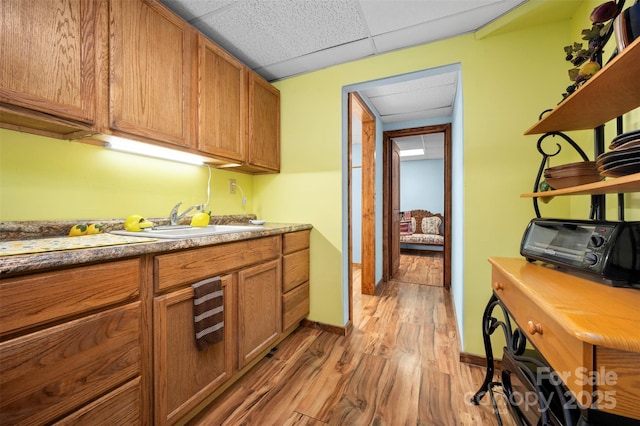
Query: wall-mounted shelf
{"type": "Point", "coordinates": [630, 183]}
{"type": "Point", "coordinates": [610, 93]}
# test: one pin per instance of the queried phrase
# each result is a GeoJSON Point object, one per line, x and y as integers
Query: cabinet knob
{"type": "Point", "coordinates": [497, 286]}
{"type": "Point", "coordinates": [534, 327]}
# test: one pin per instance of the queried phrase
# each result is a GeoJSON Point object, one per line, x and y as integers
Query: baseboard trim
{"type": "Point", "coordinates": [342, 331]}
{"type": "Point", "coordinates": [479, 360]}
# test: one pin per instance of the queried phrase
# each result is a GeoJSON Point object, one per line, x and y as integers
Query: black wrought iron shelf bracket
{"type": "Point", "coordinates": [545, 157]}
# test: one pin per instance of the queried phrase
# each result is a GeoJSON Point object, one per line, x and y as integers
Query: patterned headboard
{"type": "Point", "coordinates": [420, 214]}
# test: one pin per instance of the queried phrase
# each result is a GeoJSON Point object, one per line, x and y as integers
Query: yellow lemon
{"type": "Point", "coordinates": [79, 229]}
{"type": "Point", "coordinates": [135, 223]}
{"type": "Point", "coordinates": [200, 219]}
{"type": "Point", "coordinates": [95, 228]}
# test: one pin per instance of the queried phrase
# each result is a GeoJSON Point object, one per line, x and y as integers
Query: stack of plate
{"type": "Point", "coordinates": [572, 174]}
{"type": "Point", "coordinates": [624, 157]}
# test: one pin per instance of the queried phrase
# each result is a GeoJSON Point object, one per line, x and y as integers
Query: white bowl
{"type": "Point", "coordinates": [257, 222]}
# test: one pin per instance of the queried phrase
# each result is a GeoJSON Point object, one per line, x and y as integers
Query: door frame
{"type": "Point", "coordinates": [357, 107]}
{"type": "Point", "coordinates": [387, 195]}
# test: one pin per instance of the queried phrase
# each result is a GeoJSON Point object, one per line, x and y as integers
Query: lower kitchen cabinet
{"type": "Point", "coordinates": [295, 279]}
{"type": "Point", "coordinates": [251, 277]}
{"type": "Point", "coordinates": [185, 376]}
{"type": "Point", "coordinates": [113, 342]}
{"type": "Point", "coordinates": [50, 372]}
{"type": "Point", "coordinates": [57, 359]}
{"type": "Point", "coordinates": [259, 320]}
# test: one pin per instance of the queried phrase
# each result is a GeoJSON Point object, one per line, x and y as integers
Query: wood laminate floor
{"type": "Point", "coordinates": [399, 366]}
{"type": "Point", "coordinates": [424, 267]}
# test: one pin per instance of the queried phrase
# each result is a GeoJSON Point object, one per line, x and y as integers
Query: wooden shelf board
{"type": "Point", "coordinates": [629, 183]}
{"type": "Point", "coordinates": [613, 91]}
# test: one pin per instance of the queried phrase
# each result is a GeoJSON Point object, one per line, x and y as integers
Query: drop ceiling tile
{"type": "Point", "coordinates": [317, 60]}
{"type": "Point", "coordinates": [435, 97]}
{"type": "Point", "coordinates": [413, 85]}
{"type": "Point", "coordinates": [409, 142]}
{"type": "Point", "coordinates": [269, 31]}
{"type": "Point", "coordinates": [423, 33]}
{"type": "Point", "coordinates": [432, 139]}
{"type": "Point", "coordinates": [417, 115]}
{"type": "Point", "coordinates": [445, 27]}
{"type": "Point", "coordinates": [438, 112]}
{"type": "Point", "coordinates": [386, 16]}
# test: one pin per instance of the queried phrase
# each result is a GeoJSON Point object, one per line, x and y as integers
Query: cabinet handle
{"type": "Point", "coordinates": [497, 286]}
{"type": "Point", "coordinates": [534, 327]}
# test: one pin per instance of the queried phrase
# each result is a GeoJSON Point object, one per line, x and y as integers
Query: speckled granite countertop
{"type": "Point", "coordinates": [51, 259]}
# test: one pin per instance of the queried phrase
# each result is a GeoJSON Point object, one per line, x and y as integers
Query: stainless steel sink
{"type": "Point", "coordinates": [180, 232]}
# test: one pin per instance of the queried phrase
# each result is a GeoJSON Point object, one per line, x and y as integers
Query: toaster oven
{"type": "Point", "coordinates": [605, 251]}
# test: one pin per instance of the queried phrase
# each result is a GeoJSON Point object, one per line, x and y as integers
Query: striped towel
{"type": "Point", "coordinates": [208, 312]}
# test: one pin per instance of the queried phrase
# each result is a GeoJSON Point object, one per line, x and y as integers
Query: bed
{"type": "Point", "coordinates": [422, 230]}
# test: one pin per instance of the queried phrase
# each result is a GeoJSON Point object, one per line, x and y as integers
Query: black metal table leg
{"type": "Point", "coordinates": [488, 327]}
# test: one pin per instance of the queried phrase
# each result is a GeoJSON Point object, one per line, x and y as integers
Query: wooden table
{"type": "Point", "coordinates": [587, 332]}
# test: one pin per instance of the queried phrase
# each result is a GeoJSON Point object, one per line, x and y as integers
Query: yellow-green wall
{"type": "Point", "coordinates": [50, 179]}
{"type": "Point", "coordinates": [508, 80]}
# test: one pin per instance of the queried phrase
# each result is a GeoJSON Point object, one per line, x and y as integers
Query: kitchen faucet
{"type": "Point", "coordinates": [174, 217]}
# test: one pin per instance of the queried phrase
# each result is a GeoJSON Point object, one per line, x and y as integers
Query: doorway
{"type": "Point", "coordinates": [391, 187]}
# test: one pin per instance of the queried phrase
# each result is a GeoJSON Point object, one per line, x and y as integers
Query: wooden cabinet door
{"type": "Point", "coordinates": [53, 371]}
{"type": "Point", "coordinates": [185, 376]}
{"type": "Point", "coordinates": [259, 309]}
{"type": "Point", "coordinates": [264, 124]}
{"type": "Point", "coordinates": [47, 57]}
{"type": "Point", "coordinates": [222, 99]}
{"type": "Point", "coordinates": [149, 58]}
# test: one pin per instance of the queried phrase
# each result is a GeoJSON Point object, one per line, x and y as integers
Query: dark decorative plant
{"type": "Point", "coordinates": [588, 60]}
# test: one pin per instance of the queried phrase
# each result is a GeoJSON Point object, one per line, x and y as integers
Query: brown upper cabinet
{"type": "Point", "coordinates": [222, 102]}
{"type": "Point", "coordinates": [264, 124]}
{"type": "Point", "coordinates": [238, 112]}
{"type": "Point", "coordinates": [48, 66]}
{"type": "Point", "coordinates": [149, 72]}
{"type": "Point", "coordinates": [133, 68]}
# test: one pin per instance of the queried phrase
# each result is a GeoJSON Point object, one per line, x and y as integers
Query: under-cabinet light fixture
{"type": "Point", "coordinates": [133, 147]}
{"type": "Point", "coordinates": [411, 152]}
